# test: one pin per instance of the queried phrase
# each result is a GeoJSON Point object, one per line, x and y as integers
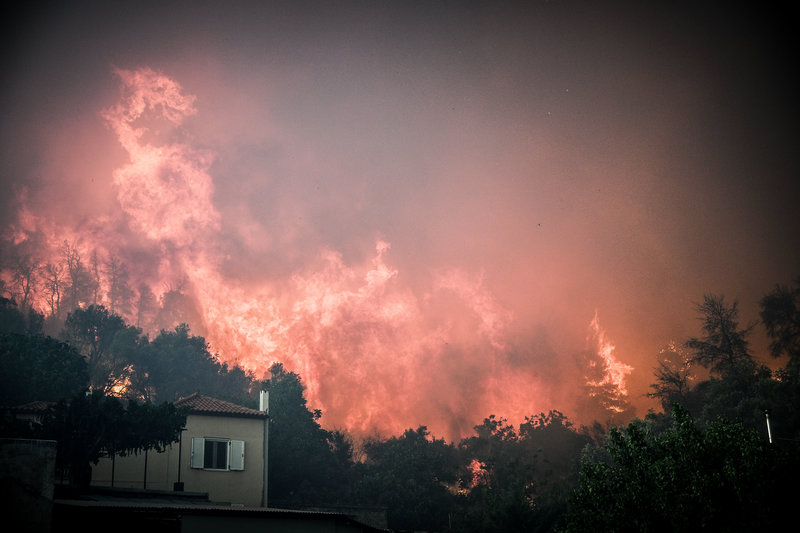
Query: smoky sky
{"type": "Point", "coordinates": [502, 174]}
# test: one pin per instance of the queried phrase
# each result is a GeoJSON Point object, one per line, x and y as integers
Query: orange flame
{"type": "Point", "coordinates": [374, 355]}
{"type": "Point", "coordinates": [614, 371]}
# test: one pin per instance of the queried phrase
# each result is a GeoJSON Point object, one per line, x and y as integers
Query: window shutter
{"type": "Point", "coordinates": [236, 457]}
{"type": "Point", "coordinates": [198, 452]}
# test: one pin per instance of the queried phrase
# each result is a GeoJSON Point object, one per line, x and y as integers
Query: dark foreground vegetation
{"type": "Point", "coordinates": [708, 461]}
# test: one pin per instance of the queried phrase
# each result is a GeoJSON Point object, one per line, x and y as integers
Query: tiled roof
{"type": "Point", "coordinates": [148, 508]}
{"type": "Point", "coordinates": [200, 404]}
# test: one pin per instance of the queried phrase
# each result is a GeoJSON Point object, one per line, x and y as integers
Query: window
{"type": "Point", "coordinates": [210, 453]}
{"type": "Point", "coordinates": [216, 454]}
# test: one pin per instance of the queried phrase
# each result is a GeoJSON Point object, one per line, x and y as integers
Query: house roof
{"type": "Point", "coordinates": [135, 512]}
{"type": "Point", "coordinates": [206, 405]}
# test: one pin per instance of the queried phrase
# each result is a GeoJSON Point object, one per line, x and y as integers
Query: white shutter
{"type": "Point", "coordinates": [236, 456]}
{"type": "Point", "coordinates": [198, 452]}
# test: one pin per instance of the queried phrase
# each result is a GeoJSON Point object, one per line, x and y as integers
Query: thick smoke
{"type": "Point", "coordinates": [377, 352]}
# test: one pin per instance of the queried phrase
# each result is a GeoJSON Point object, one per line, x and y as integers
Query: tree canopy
{"type": "Point", "coordinates": [307, 463]}
{"type": "Point", "coordinates": [91, 425]}
{"type": "Point", "coordinates": [726, 478]}
{"type": "Point", "coordinates": [107, 342]}
{"type": "Point", "coordinates": [725, 347]}
{"type": "Point", "coordinates": [410, 475]}
{"type": "Point", "coordinates": [38, 368]}
{"type": "Point", "coordinates": [780, 313]}
{"type": "Point", "coordinates": [704, 462]}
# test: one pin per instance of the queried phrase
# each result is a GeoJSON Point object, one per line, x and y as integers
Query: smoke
{"type": "Point", "coordinates": [379, 350]}
{"type": "Point", "coordinates": [165, 189]}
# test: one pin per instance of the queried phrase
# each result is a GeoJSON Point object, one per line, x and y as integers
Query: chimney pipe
{"type": "Point", "coordinates": [263, 405]}
{"type": "Point", "coordinates": [263, 401]}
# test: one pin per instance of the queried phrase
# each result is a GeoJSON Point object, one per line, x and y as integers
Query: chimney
{"type": "Point", "coordinates": [263, 401]}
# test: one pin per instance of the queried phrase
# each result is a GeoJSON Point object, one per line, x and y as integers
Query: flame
{"type": "Point", "coordinates": [166, 190]}
{"type": "Point", "coordinates": [352, 321]}
{"type": "Point", "coordinates": [375, 356]}
{"type": "Point", "coordinates": [613, 371]}
{"type": "Point", "coordinates": [479, 474]}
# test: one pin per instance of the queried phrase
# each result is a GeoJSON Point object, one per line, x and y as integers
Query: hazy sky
{"type": "Point", "coordinates": [422, 204]}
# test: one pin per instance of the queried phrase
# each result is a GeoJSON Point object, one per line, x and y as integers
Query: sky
{"type": "Point", "coordinates": [431, 211]}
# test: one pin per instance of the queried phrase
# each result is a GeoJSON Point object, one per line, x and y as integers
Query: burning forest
{"type": "Point", "coordinates": [448, 232]}
{"type": "Point", "coordinates": [376, 354]}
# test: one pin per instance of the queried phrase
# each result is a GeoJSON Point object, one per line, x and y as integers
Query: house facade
{"type": "Point", "coordinates": [221, 452]}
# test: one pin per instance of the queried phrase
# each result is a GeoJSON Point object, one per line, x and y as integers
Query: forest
{"type": "Point", "coordinates": [707, 460]}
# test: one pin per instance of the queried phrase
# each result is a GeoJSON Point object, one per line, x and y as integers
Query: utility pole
{"type": "Point", "coordinates": [178, 485]}
{"type": "Point", "coordinates": [769, 431]}
{"type": "Point", "coordinates": [263, 406]}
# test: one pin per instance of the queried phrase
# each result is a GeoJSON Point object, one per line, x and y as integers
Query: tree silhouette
{"type": "Point", "coordinates": [780, 313]}
{"type": "Point", "coordinates": [410, 475]}
{"type": "Point", "coordinates": [725, 347]}
{"type": "Point", "coordinates": [106, 341]}
{"type": "Point", "coordinates": [307, 463]}
{"type": "Point", "coordinates": [38, 368]}
{"type": "Point", "coordinates": [89, 426]}
{"type": "Point", "coordinates": [726, 478]}
{"type": "Point", "coordinates": [120, 294]}
{"type": "Point", "coordinates": [674, 376]}
{"type": "Point", "coordinates": [80, 282]}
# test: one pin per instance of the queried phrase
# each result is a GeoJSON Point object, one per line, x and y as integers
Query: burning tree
{"type": "Point", "coordinates": [674, 377]}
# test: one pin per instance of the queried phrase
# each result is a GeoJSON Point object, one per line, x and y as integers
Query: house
{"type": "Point", "coordinates": [221, 452]}
{"type": "Point", "coordinates": [213, 478]}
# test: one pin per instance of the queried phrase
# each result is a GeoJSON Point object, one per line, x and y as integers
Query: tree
{"type": "Point", "coordinates": [674, 377]}
{"type": "Point", "coordinates": [780, 313]}
{"type": "Point", "coordinates": [498, 456]}
{"type": "Point", "coordinates": [517, 481]}
{"type": "Point", "coordinates": [148, 426]}
{"type": "Point", "coordinates": [724, 479]}
{"type": "Point", "coordinates": [725, 347]}
{"type": "Point", "coordinates": [236, 385]}
{"type": "Point", "coordinates": [308, 465]}
{"type": "Point", "coordinates": [109, 345]}
{"type": "Point", "coordinates": [746, 396]}
{"type": "Point", "coordinates": [54, 283]}
{"type": "Point", "coordinates": [556, 445]}
{"type": "Point", "coordinates": [80, 283]}
{"type": "Point", "coordinates": [34, 367]}
{"type": "Point", "coordinates": [177, 308]}
{"type": "Point", "coordinates": [24, 279]}
{"type": "Point", "coordinates": [146, 308]}
{"type": "Point", "coordinates": [89, 426]}
{"type": "Point", "coordinates": [16, 320]}
{"type": "Point", "coordinates": [94, 279]}
{"type": "Point", "coordinates": [411, 476]}
{"type": "Point", "coordinates": [120, 294]}
{"type": "Point", "coordinates": [602, 395]}
{"type": "Point", "coordinates": [176, 364]}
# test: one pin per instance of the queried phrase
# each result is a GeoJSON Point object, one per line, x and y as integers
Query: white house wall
{"type": "Point", "coordinates": [237, 487]}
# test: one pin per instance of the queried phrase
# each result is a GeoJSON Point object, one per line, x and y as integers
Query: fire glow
{"type": "Point", "coordinates": [614, 371]}
{"type": "Point", "coordinates": [374, 354]}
